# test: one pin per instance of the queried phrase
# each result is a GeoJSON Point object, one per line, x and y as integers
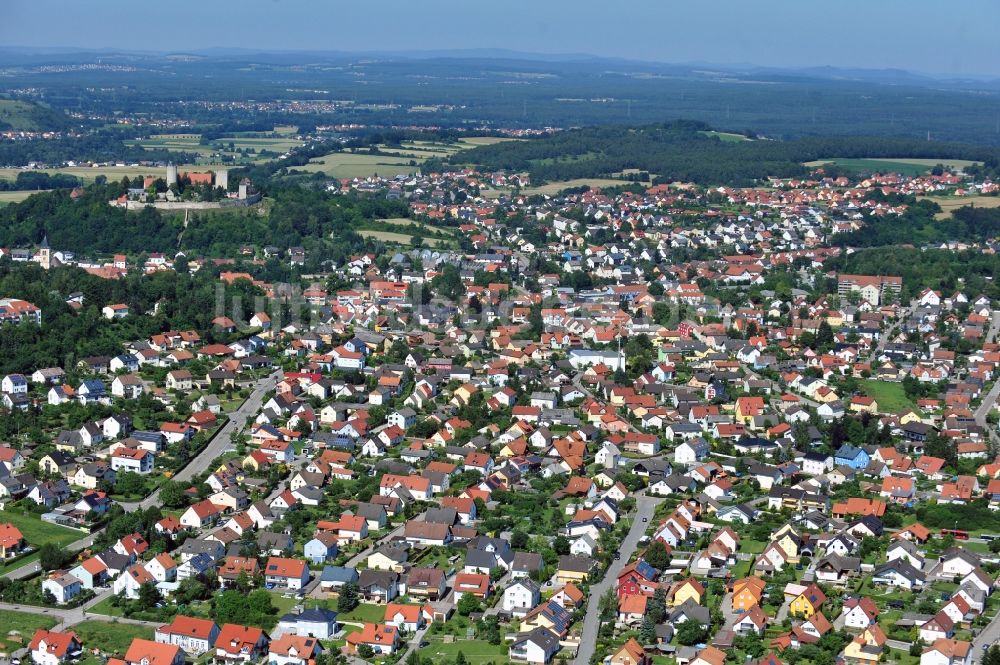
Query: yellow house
{"type": "Point", "coordinates": [808, 602]}
{"type": "Point", "coordinates": [863, 404]}
{"type": "Point", "coordinates": [826, 395]}
{"type": "Point", "coordinates": [910, 416]}
{"type": "Point", "coordinates": [747, 593]}
{"type": "Point", "coordinates": [379, 561]}
{"type": "Point", "coordinates": [748, 407]}
{"type": "Point", "coordinates": [689, 589]}
{"type": "Point", "coordinates": [866, 648]}
{"type": "Point", "coordinates": [789, 541]}
{"type": "Point", "coordinates": [573, 569]}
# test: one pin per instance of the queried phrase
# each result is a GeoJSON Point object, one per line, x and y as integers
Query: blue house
{"type": "Point", "coordinates": [322, 548]}
{"type": "Point", "coordinates": [848, 455]}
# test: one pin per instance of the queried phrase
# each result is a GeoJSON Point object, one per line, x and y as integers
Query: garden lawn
{"type": "Point", "coordinates": [476, 652]}
{"type": "Point", "coordinates": [104, 607]}
{"type": "Point", "coordinates": [109, 636]}
{"type": "Point", "coordinates": [37, 533]}
{"type": "Point", "coordinates": [891, 397]}
{"type": "Point", "coordinates": [363, 613]}
{"type": "Point", "coordinates": [21, 623]}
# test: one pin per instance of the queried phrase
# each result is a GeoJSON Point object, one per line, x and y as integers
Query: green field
{"type": "Point", "coordinates": [353, 165]}
{"type": "Point", "coordinates": [19, 115]}
{"type": "Point", "coordinates": [727, 137]}
{"type": "Point", "coordinates": [36, 532]}
{"type": "Point", "coordinates": [476, 652]}
{"type": "Point", "coordinates": [14, 197]}
{"type": "Point", "coordinates": [891, 397]}
{"type": "Point", "coordinates": [553, 188]}
{"type": "Point", "coordinates": [106, 609]}
{"type": "Point", "coordinates": [109, 636]}
{"type": "Point", "coordinates": [20, 624]}
{"type": "Point", "coordinates": [902, 165]}
{"type": "Point", "coordinates": [402, 238]}
{"type": "Point", "coordinates": [363, 613]}
{"type": "Point", "coordinates": [88, 174]}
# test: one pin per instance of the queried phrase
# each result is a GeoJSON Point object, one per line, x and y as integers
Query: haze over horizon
{"type": "Point", "coordinates": [916, 36]}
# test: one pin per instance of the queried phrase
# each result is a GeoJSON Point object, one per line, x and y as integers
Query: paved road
{"type": "Point", "coordinates": [645, 507]}
{"type": "Point", "coordinates": [67, 617]}
{"type": "Point", "coordinates": [991, 334]}
{"type": "Point", "coordinates": [363, 555]}
{"type": "Point", "coordinates": [884, 338]}
{"type": "Point", "coordinates": [219, 443]}
{"type": "Point", "coordinates": [987, 636]}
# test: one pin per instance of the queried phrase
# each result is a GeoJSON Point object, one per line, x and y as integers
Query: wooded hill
{"type": "Point", "coordinates": [682, 150]}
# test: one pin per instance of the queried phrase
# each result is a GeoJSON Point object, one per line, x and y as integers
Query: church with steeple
{"type": "Point", "coordinates": [43, 255]}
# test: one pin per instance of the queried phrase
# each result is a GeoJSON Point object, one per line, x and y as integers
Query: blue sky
{"type": "Point", "coordinates": [918, 35]}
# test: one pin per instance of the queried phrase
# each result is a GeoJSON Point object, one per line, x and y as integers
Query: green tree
{"type": "Point", "coordinates": [468, 604]}
{"type": "Point", "coordinates": [51, 556]}
{"type": "Point", "coordinates": [172, 495]}
{"type": "Point", "coordinates": [657, 555]}
{"type": "Point", "coordinates": [348, 598]}
{"type": "Point", "coordinates": [690, 633]}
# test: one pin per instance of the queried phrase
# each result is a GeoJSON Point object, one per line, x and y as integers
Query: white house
{"type": "Point", "coordinates": [947, 652]}
{"type": "Point", "coordinates": [520, 597]}
{"type": "Point", "coordinates": [53, 647]}
{"type": "Point", "coordinates": [691, 451]}
{"type": "Point", "coordinates": [63, 588]}
{"type": "Point", "coordinates": [195, 636]}
{"type": "Point", "coordinates": [135, 460]}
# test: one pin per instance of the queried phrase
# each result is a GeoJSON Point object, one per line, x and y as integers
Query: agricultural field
{"type": "Point", "coordinates": [950, 203]}
{"type": "Point", "coordinates": [88, 174]}
{"type": "Point", "coordinates": [903, 166]}
{"type": "Point", "coordinates": [553, 188]}
{"type": "Point", "coordinates": [727, 137]}
{"type": "Point", "coordinates": [14, 197]}
{"type": "Point", "coordinates": [224, 146]}
{"type": "Point", "coordinates": [474, 141]}
{"type": "Point", "coordinates": [18, 627]}
{"type": "Point", "coordinates": [401, 238]}
{"type": "Point", "coordinates": [354, 165]}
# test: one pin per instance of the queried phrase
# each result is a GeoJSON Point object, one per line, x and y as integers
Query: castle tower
{"type": "Point", "coordinates": [222, 179]}
{"type": "Point", "coordinates": [171, 174]}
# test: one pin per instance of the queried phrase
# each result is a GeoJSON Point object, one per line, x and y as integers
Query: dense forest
{"type": "Point", "coordinates": [684, 150]}
{"type": "Point", "coordinates": [919, 226]}
{"type": "Point", "coordinates": [184, 302]}
{"type": "Point", "coordinates": [320, 222]}
{"type": "Point", "coordinates": [491, 91]}
{"type": "Point", "coordinates": [87, 224]}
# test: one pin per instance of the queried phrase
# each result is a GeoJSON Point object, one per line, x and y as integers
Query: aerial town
{"type": "Point", "coordinates": [318, 354]}
{"type": "Point", "coordinates": [625, 470]}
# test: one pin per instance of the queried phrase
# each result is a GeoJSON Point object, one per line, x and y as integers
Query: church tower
{"type": "Point", "coordinates": [44, 255]}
